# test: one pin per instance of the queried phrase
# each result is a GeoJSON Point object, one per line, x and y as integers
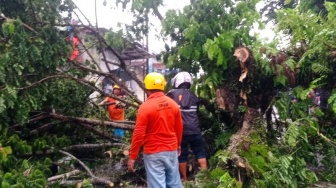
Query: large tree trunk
{"type": "Point", "coordinates": [239, 141]}
{"type": "Point", "coordinates": [249, 119]}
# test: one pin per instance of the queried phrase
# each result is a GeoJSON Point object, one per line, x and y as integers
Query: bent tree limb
{"type": "Point", "coordinates": [109, 75]}
{"type": "Point", "coordinates": [102, 41]}
{"type": "Point", "coordinates": [103, 134]}
{"type": "Point", "coordinates": [80, 147]}
{"type": "Point", "coordinates": [64, 176]}
{"type": "Point", "coordinates": [114, 124]}
{"type": "Point", "coordinates": [80, 81]}
{"type": "Point", "coordinates": [94, 179]}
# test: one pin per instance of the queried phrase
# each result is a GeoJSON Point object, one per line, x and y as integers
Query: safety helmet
{"type": "Point", "coordinates": [154, 80]}
{"type": "Point", "coordinates": [115, 87]}
{"type": "Point", "coordinates": [180, 78]}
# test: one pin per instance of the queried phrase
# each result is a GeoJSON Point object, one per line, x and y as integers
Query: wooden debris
{"type": "Point", "coordinates": [109, 153]}
{"type": "Point", "coordinates": [126, 152]}
{"type": "Point", "coordinates": [242, 55]}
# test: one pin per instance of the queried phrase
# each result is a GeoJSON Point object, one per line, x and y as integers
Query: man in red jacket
{"type": "Point", "coordinates": [158, 129]}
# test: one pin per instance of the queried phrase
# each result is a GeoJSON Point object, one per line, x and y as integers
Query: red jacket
{"type": "Point", "coordinates": [158, 126]}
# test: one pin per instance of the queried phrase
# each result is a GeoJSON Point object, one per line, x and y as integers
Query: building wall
{"type": "Point", "coordinates": [138, 66]}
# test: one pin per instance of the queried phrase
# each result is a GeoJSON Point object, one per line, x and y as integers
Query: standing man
{"type": "Point", "coordinates": [189, 104]}
{"type": "Point", "coordinates": [115, 109]}
{"type": "Point", "coordinates": [158, 129]}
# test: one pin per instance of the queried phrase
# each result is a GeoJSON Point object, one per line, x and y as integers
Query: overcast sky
{"type": "Point", "coordinates": [108, 17]}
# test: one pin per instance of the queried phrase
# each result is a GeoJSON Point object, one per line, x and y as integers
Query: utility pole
{"type": "Point", "coordinates": [146, 66]}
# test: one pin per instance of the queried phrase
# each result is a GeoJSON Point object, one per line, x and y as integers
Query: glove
{"type": "Point", "coordinates": [120, 104]}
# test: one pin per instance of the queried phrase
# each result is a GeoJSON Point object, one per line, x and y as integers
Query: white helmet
{"type": "Point", "coordinates": [180, 78]}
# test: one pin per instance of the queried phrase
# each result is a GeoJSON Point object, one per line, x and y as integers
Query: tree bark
{"type": "Point", "coordinates": [225, 99]}
{"type": "Point", "coordinates": [65, 175]}
{"type": "Point", "coordinates": [238, 141]}
{"type": "Point", "coordinates": [114, 124]}
{"type": "Point", "coordinates": [95, 179]}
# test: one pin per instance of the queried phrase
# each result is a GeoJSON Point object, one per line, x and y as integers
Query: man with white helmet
{"type": "Point", "coordinates": [189, 104]}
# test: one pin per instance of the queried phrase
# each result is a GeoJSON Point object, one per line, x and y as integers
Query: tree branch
{"type": "Point", "coordinates": [44, 127]}
{"type": "Point", "coordinates": [101, 41]}
{"type": "Point", "coordinates": [83, 82]}
{"type": "Point", "coordinates": [78, 147]}
{"type": "Point", "coordinates": [24, 25]}
{"type": "Point", "coordinates": [122, 62]}
{"type": "Point", "coordinates": [95, 179]}
{"type": "Point", "coordinates": [96, 32]}
{"type": "Point", "coordinates": [91, 146]}
{"type": "Point", "coordinates": [33, 119]}
{"type": "Point", "coordinates": [88, 84]}
{"type": "Point", "coordinates": [42, 80]}
{"type": "Point", "coordinates": [63, 176]}
{"type": "Point", "coordinates": [97, 132]}
{"type": "Point", "coordinates": [156, 11]}
{"type": "Point", "coordinates": [109, 75]}
{"type": "Point", "coordinates": [114, 124]}
{"type": "Point", "coordinates": [89, 54]}
{"type": "Point", "coordinates": [68, 182]}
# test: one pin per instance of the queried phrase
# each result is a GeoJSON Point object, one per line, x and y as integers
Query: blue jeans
{"type": "Point", "coordinates": [162, 170]}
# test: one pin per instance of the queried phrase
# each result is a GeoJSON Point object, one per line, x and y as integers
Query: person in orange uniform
{"type": "Point", "coordinates": [158, 129]}
{"type": "Point", "coordinates": [115, 109]}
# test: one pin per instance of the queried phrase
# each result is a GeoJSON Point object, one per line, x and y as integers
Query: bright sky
{"type": "Point", "coordinates": [110, 17]}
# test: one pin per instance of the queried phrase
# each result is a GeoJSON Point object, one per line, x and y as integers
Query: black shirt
{"type": "Point", "coordinates": [189, 104]}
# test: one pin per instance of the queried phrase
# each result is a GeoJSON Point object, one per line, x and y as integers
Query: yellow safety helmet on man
{"type": "Point", "coordinates": [154, 81]}
{"type": "Point", "coordinates": [115, 87]}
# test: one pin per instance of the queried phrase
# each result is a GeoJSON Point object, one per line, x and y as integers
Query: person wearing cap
{"type": "Point", "coordinates": [158, 129]}
{"type": "Point", "coordinates": [115, 109]}
{"type": "Point", "coordinates": [189, 105]}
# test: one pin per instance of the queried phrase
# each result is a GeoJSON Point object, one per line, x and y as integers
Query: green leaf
{"type": "Point", "coordinates": [291, 64]}
{"type": "Point", "coordinates": [280, 79]}
{"type": "Point", "coordinates": [7, 150]}
{"type": "Point", "coordinates": [220, 58]}
{"type": "Point", "coordinates": [291, 136]}
{"type": "Point", "coordinates": [2, 104]}
{"type": "Point", "coordinates": [287, 2]}
{"type": "Point", "coordinates": [25, 164]}
{"type": "Point", "coordinates": [5, 184]}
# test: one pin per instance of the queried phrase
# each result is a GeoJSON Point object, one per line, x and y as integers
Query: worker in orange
{"type": "Point", "coordinates": [158, 129]}
{"type": "Point", "coordinates": [115, 109]}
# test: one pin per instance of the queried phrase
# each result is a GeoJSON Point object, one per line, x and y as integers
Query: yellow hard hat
{"type": "Point", "coordinates": [116, 87]}
{"type": "Point", "coordinates": [154, 80]}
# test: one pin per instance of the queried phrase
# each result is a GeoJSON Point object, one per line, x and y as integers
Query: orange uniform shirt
{"type": "Point", "coordinates": [115, 113]}
{"type": "Point", "coordinates": [158, 126]}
